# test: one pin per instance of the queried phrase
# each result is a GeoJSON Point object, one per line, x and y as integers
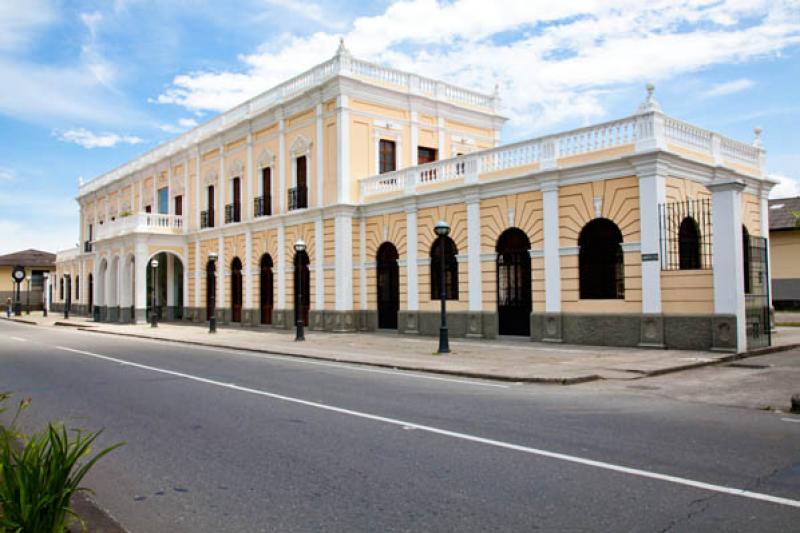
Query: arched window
{"type": "Point", "coordinates": [601, 265]}
{"type": "Point", "coordinates": [236, 290]}
{"type": "Point", "coordinates": [450, 267]}
{"type": "Point", "coordinates": [211, 287]}
{"type": "Point", "coordinates": [689, 245]}
{"type": "Point", "coordinates": [265, 291]}
{"type": "Point", "coordinates": [302, 281]}
{"type": "Point", "coordinates": [746, 259]}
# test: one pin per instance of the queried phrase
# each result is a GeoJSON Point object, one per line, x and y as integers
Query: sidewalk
{"type": "Point", "coordinates": [510, 360]}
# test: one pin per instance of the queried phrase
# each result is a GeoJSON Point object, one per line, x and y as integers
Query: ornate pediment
{"type": "Point", "coordinates": [300, 146]}
{"type": "Point", "coordinates": [266, 158]}
{"type": "Point", "coordinates": [210, 178]}
{"type": "Point", "coordinates": [236, 169]}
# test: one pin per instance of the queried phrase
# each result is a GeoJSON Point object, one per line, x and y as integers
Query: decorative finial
{"type": "Point", "coordinates": [342, 50]}
{"type": "Point", "coordinates": [757, 141]}
{"type": "Point", "coordinates": [80, 180]}
{"type": "Point", "coordinates": [650, 103]}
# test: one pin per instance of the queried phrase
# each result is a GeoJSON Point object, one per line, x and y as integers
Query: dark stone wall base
{"type": "Point", "coordinates": [251, 317]}
{"type": "Point", "coordinates": [283, 318]}
{"type": "Point", "coordinates": [408, 322]}
{"type": "Point", "coordinates": [140, 315]}
{"type": "Point", "coordinates": [682, 332]}
{"type": "Point", "coordinates": [367, 320]}
{"type": "Point", "coordinates": [112, 314]}
{"type": "Point", "coordinates": [316, 320]}
{"type": "Point", "coordinates": [125, 314]}
{"type": "Point", "coordinates": [103, 313]}
{"type": "Point", "coordinates": [340, 321]}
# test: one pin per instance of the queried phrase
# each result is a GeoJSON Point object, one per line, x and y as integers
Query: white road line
{"type": "Point", "coordinates": [355, 366]}
{"type": "Point", "coordinates": [733, 491]}
{"type": "Point", "coordinates": [20, 339]}
{"type": "Point", "coordinates": [795, 420]}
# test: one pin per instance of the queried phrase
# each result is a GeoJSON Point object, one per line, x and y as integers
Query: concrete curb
{"type": "Point", "coordinates": [460, 373]}
{"type": "Point", "coordinates": [21, 321]}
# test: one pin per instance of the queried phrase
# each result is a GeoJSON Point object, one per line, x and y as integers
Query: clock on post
{"type": "Point", "coordinates": [18, 275]}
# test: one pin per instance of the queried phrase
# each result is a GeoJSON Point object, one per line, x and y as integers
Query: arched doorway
{"type": "Point", "coordinates": [236, 290]}
{"type": "Point", "coordinates": [211, 288]}
{"type": "Point", "coordinates": [388, 277]}
{"type": "Point", "coordinates": [168, 289]}
{"type": "Point", "coordinates": [514, 301]}
{"type": "Point", "coordinates": [689, 245]}
{"type": "Point", "coordinates": [302, 278]}
{"type": "Point", "coordinates": [90, 303]}
{"type": "Point", "coordinates": [265, 293]}
{"type": "Point", "coordinates": [601, 263]}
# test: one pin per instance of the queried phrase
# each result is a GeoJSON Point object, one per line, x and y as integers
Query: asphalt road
{"type": "Point", "coordinates": [219, 440]}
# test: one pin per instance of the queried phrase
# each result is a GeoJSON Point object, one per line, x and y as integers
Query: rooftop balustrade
{"type": "Point", "coordinates": [141, 223]}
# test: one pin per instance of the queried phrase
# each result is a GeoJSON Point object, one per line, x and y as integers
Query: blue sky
{"type": "Point", "coordinates": [88, 85]}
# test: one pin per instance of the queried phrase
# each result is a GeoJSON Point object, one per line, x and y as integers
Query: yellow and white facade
{"type": "Point", "coordinates": [234, 187]}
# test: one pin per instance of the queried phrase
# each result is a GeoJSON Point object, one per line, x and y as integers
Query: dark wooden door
{"type": "Point", "coordinates": [266, 296]}
{"type": "Point", "coordinates": [237, 200]}
{"type": "Point", "coordinates": [210, 222]}
{"type": "Point", "coordinates": [236, 290]}
{"type": "Point", "coordinates": [514, 283]}
{"type": "Point", "coordinates": [388, 286]}
{"type": "Point", "coordinates": [302, 182]}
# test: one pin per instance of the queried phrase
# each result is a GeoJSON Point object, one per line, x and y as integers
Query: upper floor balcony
{"type": "Point", "coordinates": [141, 223]}
{"type": "Point", "coordinates": [262, 206]}
{"type": "Point", "coordinates": [647, 131]}
{"type": "Point", "coordinates": [298, 198]}
{"type": "Point", "coordinates": [233, 213]}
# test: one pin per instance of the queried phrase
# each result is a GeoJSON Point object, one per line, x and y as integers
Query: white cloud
{"type": "Point", "coordinates": [24, 216]}
{"type": "Point", "coordinates": [181, 126]}
{"type": "Point", "coordinates": [729, 87]}
{"type": "Point", "coordinates": [787, 187]}
{"type": "Point", "coordinates": [90, 140]}
{"type": "Point", "coordinates": [553, 61]}
{"type": "Point", "coordinates": [7, 174]}
{"type": "Point", "coordinates": [20, 21]}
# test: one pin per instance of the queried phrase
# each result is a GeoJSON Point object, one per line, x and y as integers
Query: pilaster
{"type": "Point", "coordinates": [552, 245]}
{"type": "Point", "coordinates": [474, 285]}
{"type": "Point", "coordinates": [343, 150]}
{"type": "Point", "coordinates": [249, 268]}
{"type": "Point", "coordinates": [281, 179]}
{"type": "Point", "coordinates": [320, 156]}
{"type": "Point", "coordinates": [411, 258]}
{"type": "Point", "coordinates": [281, 267]}
{"type": "Point", "coordinates": [652, 193]}
{"type": "Point", "coordinates": [319, 272]}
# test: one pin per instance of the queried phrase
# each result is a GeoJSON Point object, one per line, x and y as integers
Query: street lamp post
{"type": "Point", "coordinates": [442, 229]}
{"type": "Point", "coordinates": [45, 294]}
{"type": "Point", "coordinates": [299, 246]}
{"type": "Point", "coordinates": [28, 311]}
{"type": "Point", "coordinates": [153, 316]}
{"type": "Point", "coordinates": [212, 298]}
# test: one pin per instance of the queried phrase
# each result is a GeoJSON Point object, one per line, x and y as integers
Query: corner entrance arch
{"type": "Point", "coordinates": [168, 286]}
{"type": "Point", "coordinates": [514, 283]}
{"type": "Point", "coordinates": [388, 278]}
{"type": "Point", "coordinates": [265, 291]}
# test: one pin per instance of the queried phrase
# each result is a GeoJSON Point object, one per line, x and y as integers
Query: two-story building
{"type": "Point", "coordinates": [639, 231]}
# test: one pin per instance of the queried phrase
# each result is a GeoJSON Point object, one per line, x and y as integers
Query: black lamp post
{"type": "Point", "coordinates": [442, 229]}
{"type": "Point", "coordinates": [212, 298]}
{"type": "Point", "coordinates": [299, 247]}
{"type": "Point", "coordinates": [45, 293]}
{"type": "Point", "coordinates": [153, 315]}
{"type": "Point", "coordinates": [68, 296]}
{"type": "Point", "coordinates": [28, 311]}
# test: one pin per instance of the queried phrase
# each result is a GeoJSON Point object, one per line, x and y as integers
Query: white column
{"type": "Point", "coordinates": [320, 157]}
{"type": "Point", "coordinates": [199, 266]}
{"type": "Point", "coordinates": [222, 273]}
{"type": "Point", "coordinates": [196, 207]}
{"type": "Point", "coordinates": [362, 257]}
{"type": "Point", "coordinates": [185, 281]}
{"type": "Point", "coordinates": [170, 203]}
{"type": "Point", "coordinates": [552, 246]}
{"type": "Point", "coordinates": [342, 152]}
{"type": "Point", "coordinates": [441, 137]}
{"type": "Point", "coordinates": [140, 264]}
{"type": "Point", "coordinates": [319, 273]}
{"type": "Point", "coordinates": [171, 281]}
{"type": "Point", "coordinates": [727, 255]}
{"type": "Point", "coordinates": [47, 283]}
{"type": "Point", "coordinates": [247, 194]}
{"type": "Point", "coordinates": [474, 252]}
{"type": "Point", "coordinates": [281, 267]}
{"type": "Point", "coordinates": [219, 213]}
{"type": "Point", "coordinates": [83, 284]}
{"type": "Point", "coordinates": [652, 193]}
{"type": "Point", "coordinates": [411, 257]}
{"type": "Point", "coordinates": [249, 269]}
{"type": "Point", "coordinates": [281, 167]}
{"type": "Point", "coordinates": [414, 161]}
{"type": "Point", "coordinates": [343, 230]}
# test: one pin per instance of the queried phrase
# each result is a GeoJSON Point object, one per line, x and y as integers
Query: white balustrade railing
{"type": "Point", "coordinates": [68, 254]}
{"type": "Point", "coordinates": [546, 151]}
{"type": "Point", "coordinates": [140, 223]}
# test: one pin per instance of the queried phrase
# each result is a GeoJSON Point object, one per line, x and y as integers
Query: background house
{"type": "Point", "coordinates": [784, 234]}
{"type": "Point", "coordinates": [36, 263]}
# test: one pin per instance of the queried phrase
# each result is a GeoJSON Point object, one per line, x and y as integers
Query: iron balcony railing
{"type": "Point", "coordinates": [87, 246]}
{"type": "Point", "coordinates": [262, 206]}
{"type": "Point", "coordinates": [233, 213]}
{"type": "Point", "coordinates": [298, 198]}
{"type": "Point", "coordinates": [207, 219]}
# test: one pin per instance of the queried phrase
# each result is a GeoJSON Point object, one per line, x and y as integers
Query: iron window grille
{"type": "Point", "coordinates": [685, 235]}
{"type": "Point", "coordinates": [206, 219]}
{"type": "Point", "coordinates": [298, 198]}
{"type": "Point", "coordinates": [233, 213]}
{"type": "Point", "coordinates": [262, 206]}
